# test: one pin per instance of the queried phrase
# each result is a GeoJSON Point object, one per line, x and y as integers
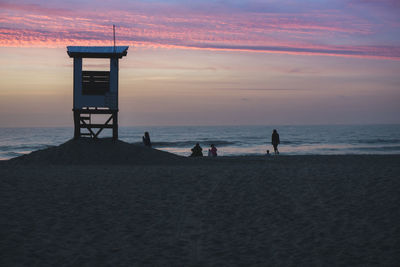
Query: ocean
{"type": "Point", "coordinates": [229, 140]}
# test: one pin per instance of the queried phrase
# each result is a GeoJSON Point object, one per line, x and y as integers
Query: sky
{"type": "Point", "coordinates": [207, 62]}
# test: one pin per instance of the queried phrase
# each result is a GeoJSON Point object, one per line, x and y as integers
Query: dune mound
{"type": "Point", "coordinates": [97, 151]}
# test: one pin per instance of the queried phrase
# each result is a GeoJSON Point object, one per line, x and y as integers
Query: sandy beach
{"type": "Point", "coordinates": [150, 208]}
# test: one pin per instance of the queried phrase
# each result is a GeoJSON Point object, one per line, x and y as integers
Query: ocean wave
{"type": "Point", "coordinates": [217, 143]}
{"type": "Point", "coordinates": [23, 147]}
{"type": "Point", "coordinates": [378, 148]}
{"type": "Point", "coordinates": [379, 141]}
{"type": "Point", "coordinates": [9, 155]}
{"type": "Point", "coordinates": [360, 148]}
{"type": "Point", "coordinates": [223, 143]}
{"type": "Point", "coordinates": [287, 142]}
{"type": "Point", "coordinates": [339, 142]}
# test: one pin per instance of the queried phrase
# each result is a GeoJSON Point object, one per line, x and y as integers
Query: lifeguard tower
{"type": "Point", "coordinates": [95, 92]}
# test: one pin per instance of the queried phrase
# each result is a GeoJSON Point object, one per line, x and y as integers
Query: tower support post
{"type": "Point", "coordinates": [115, 124]}
{"type": "Point", "coordinates": [77, 130]}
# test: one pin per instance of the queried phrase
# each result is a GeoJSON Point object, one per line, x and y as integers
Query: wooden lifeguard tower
{"type": "Point", "coordinates": [95, 92]}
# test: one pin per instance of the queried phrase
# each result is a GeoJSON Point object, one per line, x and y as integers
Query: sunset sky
{"type": "Point", "coordinates": [207, 62]}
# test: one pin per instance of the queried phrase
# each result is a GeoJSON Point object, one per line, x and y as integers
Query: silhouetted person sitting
{"type": "Point", "coordinates": [212, 152]}
{"type": "Point", "coordinates": [146, 139]}
{"type": "Point", "coordinates": [275, 141]}
{"type": "Point", "coordinates": [197, 151]}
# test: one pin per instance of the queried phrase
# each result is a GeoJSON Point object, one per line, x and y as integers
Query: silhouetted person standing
{"type": "Point", "coordinates": [275, 141]}
{"type": "Point", "coordinates": [146, 139]}
{"type": "Point", "coordinates": [197, 151]}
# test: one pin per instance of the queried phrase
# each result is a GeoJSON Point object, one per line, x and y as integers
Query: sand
{"type": "Point", "coordinates": [107, 151]}
{"type": "Point", "coordinates": [228, 211]}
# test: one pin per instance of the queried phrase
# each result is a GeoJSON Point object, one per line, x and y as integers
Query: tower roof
{"type": "Point", "coordinates": [97, 51]}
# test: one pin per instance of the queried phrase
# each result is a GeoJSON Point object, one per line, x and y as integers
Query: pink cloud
{"type": "Point", "coordinates": [35, 8]}
{"type": "Point", "coordinates": [306, 33]}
